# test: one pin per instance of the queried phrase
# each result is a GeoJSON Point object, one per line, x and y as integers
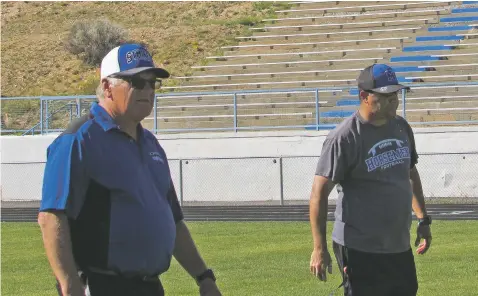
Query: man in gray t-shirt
{"type": "Point", "coordinates": [371, 157]}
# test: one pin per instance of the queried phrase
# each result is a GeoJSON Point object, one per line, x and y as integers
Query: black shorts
{"type": "Point", "coordinates": [370, 274]}
{"type": "Point", "coordinates": [107, 285]}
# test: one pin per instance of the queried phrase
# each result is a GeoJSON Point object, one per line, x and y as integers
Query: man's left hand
{"type": "Point", "coordinates": [423, 232]}
{"type": "Point", "coordinates": [209, 288]}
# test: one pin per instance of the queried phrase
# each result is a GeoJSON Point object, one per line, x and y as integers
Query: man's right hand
{"type": "Point", "coordinates": [75, 288]}
{"type": "Point", "coordinates": [319, 262]}
{"type": "Point", "coordinates": [76, 292]}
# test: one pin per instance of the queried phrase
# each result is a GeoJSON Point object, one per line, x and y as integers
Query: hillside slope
{"type": "Point", "coordinates": [180, 34]}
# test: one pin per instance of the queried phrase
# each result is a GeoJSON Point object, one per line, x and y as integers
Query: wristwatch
{"type": "Point", "coordinates": [205, 275]}
{"type": "Point", "coordinates": [427, 220]}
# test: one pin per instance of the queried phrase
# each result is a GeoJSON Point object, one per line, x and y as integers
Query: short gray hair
{"type": "Point", "coordinates": [99, 90]}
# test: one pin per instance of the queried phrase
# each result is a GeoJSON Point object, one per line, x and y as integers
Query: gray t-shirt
{"type": "Point", "coordinates": [371, 167]}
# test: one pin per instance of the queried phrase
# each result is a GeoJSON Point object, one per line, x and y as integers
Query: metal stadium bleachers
{"type": "Point", "coordinates": [431, 45]}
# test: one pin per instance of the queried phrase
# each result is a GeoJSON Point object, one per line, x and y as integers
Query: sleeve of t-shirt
{"type": "Point", "coordinates": [333, 163]}
{"type": "Point", "coordinates": [413, 152]}
{"type": "Point", "coordinates": [65, 180]}
{"type": "Point", "coordinates": [174, 203]}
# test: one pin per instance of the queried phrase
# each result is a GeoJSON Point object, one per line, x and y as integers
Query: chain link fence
{"type": "Point", "coordinates": [21, 184]}
{"type": "Point", "coordinates": [18, 115]}
{"type": "Point", "coordinates": [446, 178]}
{"type": "Point", "coordinates": [231, 181]}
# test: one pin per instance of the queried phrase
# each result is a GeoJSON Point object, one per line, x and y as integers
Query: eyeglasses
{"type": "Point", "coordinates": [387, 98]}
{"type": "Point", "coordinates": [392, 94]}
{"type": "Point", "coordinates": [139, 83]}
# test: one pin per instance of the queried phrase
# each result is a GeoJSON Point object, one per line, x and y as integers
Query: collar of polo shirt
{"type": "Point", "coordinates": [105, 120]}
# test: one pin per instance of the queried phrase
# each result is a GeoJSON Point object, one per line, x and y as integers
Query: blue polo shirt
{"type": "Point", "coordinates": [117, 193]}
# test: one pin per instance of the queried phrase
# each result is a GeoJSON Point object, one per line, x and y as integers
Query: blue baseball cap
{"type": "Point", "coordinates": [379, 78]}
{"type": "Point", "coordinates": [129, 60]}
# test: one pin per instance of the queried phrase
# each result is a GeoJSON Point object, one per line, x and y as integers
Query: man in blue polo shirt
{"type": "Point", "coordinates": [109, 214]}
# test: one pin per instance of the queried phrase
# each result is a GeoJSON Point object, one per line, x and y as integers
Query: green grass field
{"type": "Point", "coordinates": [263, 258]}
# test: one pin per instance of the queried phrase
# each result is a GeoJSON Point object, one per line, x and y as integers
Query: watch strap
{"type": "Point", "coordinates": [427, 220]}
{"type": "Point", "coordinates": [205, 275]}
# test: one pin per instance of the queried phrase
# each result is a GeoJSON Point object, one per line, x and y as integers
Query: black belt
{"type": "Point", "coordinates": [144, 278]}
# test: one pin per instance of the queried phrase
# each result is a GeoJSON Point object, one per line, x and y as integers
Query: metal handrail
{"type": "Point", "coordinates": [32, 129]}
{"type": "Point", "coordinates": [234, 93]}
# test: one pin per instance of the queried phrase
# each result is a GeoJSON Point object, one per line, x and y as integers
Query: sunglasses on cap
{"type": "Point", "coordinates": [138, 82]}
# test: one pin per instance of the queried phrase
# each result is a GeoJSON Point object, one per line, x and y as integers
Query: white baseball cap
{"type": "Point", "coordinates": [129, 60]}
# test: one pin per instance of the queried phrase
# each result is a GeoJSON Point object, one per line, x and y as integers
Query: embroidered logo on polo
{"type": "Point", "coordinates": [386, 154]}
{"type": "Point", "coordinates": [156, 156]}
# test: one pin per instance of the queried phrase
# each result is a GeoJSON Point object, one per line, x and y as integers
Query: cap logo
{"type": "Point", "coordinates": [137, 54]}
{"type": "Point", "coordinates": [391, 75]}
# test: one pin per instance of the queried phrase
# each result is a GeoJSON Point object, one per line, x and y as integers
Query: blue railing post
{"type": "Point", "coordinates": [155, 115]}
{"type": "Point", "coordinates": [47, 118]}
{"type": "Point", "coordinates": [41, 115]}
{"type": "Point", "coordinates": [404, 115]}
{"type": "Point", "coordinates": [235, 112]}
{"type": "Point", "coordinates": [70, 110]}
{"type": "Point", "coordinates": [78, 107]}
{"type": "Point", "coordinates": [317, 109]}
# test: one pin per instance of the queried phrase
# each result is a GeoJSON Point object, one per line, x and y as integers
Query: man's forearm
{"type": "Point", "coordinates": [57, 242]}
{"type": "Point", "coordinates": [418, 201]}
{"type": "Point", "coordinates": [186, 253]}
{"type": "Point", "coordinates": [318, 214]}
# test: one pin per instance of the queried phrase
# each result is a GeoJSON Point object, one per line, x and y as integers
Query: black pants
{"type": "Point", "coordinates": [109, 285]}
{"type": "Point", "coordinates": [370, 274]}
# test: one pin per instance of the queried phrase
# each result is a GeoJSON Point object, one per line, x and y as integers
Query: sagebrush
{"type": "Point", "coordinates": [92, 40]}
